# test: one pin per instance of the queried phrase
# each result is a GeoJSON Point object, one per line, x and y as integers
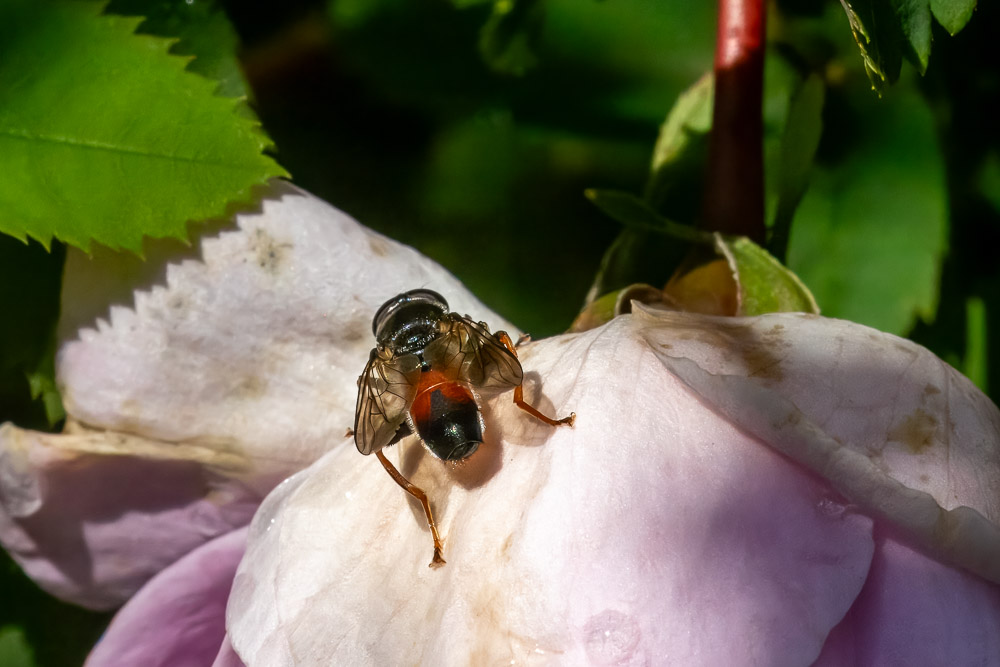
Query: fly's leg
{"type": "Point", "coordinates": [522, 339]}
{"type": "Point", "coordinates": [417, 493]}
{"type": "Point", "coordinates": [504, 339]}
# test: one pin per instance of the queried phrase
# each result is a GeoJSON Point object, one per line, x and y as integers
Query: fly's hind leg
{"type": "Point", "coordinates": [504, 339]}
{"type": "Point", "coordinates": [416, 492]}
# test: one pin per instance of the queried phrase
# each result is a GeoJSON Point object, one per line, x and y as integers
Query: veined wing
{"type": "Point", "coordinates": [468, 352]}
{"type": "Point", "coordinates": [385, 391]}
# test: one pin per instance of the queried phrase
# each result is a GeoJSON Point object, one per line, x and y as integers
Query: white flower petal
{"type": "Point", "coordinates": [253, 342]}
{"type": "Point", "coordinates": [653, 532]}
{"type": "Point", "coordinates": [195, 382]}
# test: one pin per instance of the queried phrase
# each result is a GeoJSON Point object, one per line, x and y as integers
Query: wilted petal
{"type": "Point", "coordinates": [199, 379]}
{"type": "Point", "coordinates": [653, 532]}
{"type": "Point", "coordinates": [178, 618]}
{"type": "Point", "coordinates": [914, 610]}
{"type": "Point", "coordinates": [892, 427]}
{"type": "Point", "coordinates": [252, 342]}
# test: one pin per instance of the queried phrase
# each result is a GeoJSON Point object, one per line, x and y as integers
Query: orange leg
{"type": "Point", "coordinates": [519, 391]}
{"type": "Point", "coordinates": [417, 493]}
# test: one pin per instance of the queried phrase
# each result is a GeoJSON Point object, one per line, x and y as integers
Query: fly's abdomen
{"type": "Point", "coordinates": [446, 416]}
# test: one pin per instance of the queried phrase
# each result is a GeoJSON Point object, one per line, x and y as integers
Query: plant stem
{"type": "Point", "coordinates": [734, 199]}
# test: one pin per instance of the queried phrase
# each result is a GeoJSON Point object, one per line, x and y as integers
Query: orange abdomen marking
{"type": "Point", "coordinates": [446, 417]}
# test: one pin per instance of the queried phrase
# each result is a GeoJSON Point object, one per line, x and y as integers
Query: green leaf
{"type": "Point", "coordinates": [803, 128]}
{"type": "Point", "coordinates": [30, 281]}
{"type": "Point", "coordinates": [888, 30]}
{"type": "Point", "coordinates": [976, 362]}
{"type": "Point", "coordinates": [877, 37]}
{"type": "Point", "coordinates": [915, 21]}
{"type": "Point", "coordinates": [506, 41]}
{"type": "Point", "coordinates": [871, 232]}
{"type": "Point", "coordinates": [105, 138]}
{"type": "Point", "coordinates": [42, 385]}
{"type": "Point", "coordinates": [953, 14]}
{"type": "Point", "coordinates": [203, 31]}
{"type": "Point", "coordinates": [763, 285]}
{"type": "Point", "coordinates": [636, 213]}
{"type": "Point", "coordinates": [688, 123]}
{"type": "Point", "coordinates": [14, 648]}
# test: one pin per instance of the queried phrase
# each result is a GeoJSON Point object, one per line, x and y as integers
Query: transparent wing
{"type": "Point", "coordinates": [385, 391]}
{"type": "Point", "coordinates": [468, 352]}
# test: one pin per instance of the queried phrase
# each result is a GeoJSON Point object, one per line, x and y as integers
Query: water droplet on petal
{"type": "Point", "coordinates": [831, 508]}
{"type": "Point", "coordinates": [611, 638]}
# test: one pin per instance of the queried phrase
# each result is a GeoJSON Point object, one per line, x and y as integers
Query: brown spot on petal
{"type": "Point", "coordinates": [930, 390]}
{"type": "Point", "coordinates": [916, 431]}
{"type": "Point", "coordinates": [250, 387]}
{"type": "Point", "coordinates": [269, 253]}
{"type": "Point", "coordinates": [378, 246]}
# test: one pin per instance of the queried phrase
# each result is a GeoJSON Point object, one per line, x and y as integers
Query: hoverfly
{"type": "Point", "coordinates": [423, 377]}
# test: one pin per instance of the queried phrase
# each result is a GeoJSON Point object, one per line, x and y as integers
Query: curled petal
{"type": "Point", "coordinates": [91, 518]}
{"type": "Point", "coordinates": [178, 618]}
{"type": "Point", "coordinates": [652, 532]}
{"type": "Point", "coordinates": [253, 341]}
{"type": "Point", "coordinates": [892, 427]}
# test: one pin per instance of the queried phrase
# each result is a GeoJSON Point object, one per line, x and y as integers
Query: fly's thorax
{"type": "Point", "coordinates": [446, 417]}
{"type": "Point", "coordinates": [407, 323]}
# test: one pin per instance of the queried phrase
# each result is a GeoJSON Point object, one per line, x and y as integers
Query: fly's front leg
{"type": "Point", "coordinates": [504, 339]}
{"type": "Point", "coordinates": [416, 492]}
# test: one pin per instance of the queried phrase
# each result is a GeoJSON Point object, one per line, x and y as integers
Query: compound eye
{"type": "Point", "coordinates": [429, 299]}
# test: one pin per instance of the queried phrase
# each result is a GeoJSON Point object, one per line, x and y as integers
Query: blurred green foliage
{"type": "Point", "coordinates": [471, 130]}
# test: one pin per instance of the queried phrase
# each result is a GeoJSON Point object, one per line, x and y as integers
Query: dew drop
{"type": "Point", "coordinates": [611, 638]}
{"type": "Point", "coordinates": [830, 508]}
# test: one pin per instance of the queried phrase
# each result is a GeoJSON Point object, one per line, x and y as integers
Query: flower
{"type": "Point", "coordinates": [784, 489]}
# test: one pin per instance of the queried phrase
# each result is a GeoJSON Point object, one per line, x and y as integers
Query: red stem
{"type": "Point", "coordinates": [734, 200]}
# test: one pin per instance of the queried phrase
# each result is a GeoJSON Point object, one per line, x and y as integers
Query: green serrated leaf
{"type": "Point", "coordinates": [688, 120]}
{"type": "Point", "coordinates": [803, 128]}
{"type": "Point", "coordinates": [877, 36]}
{"type": "Point", "coordinates": [888, 30]}
{"type": "Point", "coordinates": [953, 14]}
{"type": "Point", "coordinates": [203, 31]}
{"type": "Point", "coordinates": [506, 41]}
{"type": "Point", "coordinates": [871, 232]}
{"type": "Point", "coordinates": [763, 285]}
{"type": "Point", "coordinates": [104, 137]}
{"type": "Point", "coordinates": [636, 213]}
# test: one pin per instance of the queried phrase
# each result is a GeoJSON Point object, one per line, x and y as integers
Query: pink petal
{"type": "Point", "coordinates": [91, 521]}
{"type": "Point", "coordinates": [916, 611]}
{"type": "Point", "coordinates": [178, 618]}
{"type": "Point", "coordinates": [892, 427]}
{"type": "Point", "coordinates": [653, 532]}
